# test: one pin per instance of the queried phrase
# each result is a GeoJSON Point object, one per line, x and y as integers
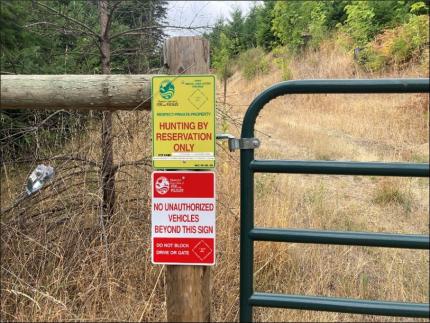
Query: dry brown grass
{"type": "Point", "coordinates": [346, 127]}
{"type": "Point", "coordinates": [58, 264]}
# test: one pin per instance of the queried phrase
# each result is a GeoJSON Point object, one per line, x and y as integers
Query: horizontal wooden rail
{"type": "Point", "coordinates": [80, 92]}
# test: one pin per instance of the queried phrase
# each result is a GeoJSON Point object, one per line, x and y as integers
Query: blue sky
{"type": "Point", "coordinates": [201, 13]}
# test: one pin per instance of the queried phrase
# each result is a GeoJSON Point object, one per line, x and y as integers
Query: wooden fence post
{"type": "Point", "coordinates": [188, 287]}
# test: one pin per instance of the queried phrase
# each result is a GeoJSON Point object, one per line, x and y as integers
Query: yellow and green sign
{"type": "Point", "coordinates": [183, 121]}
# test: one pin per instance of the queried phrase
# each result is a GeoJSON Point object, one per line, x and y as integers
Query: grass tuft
{"type": "Point", "coordinates": [389, 192]}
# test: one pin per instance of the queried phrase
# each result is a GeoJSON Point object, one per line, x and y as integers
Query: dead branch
{"type": "Point", "coordinates": [111, 13]}
{"type": "Point", "coordinates": [62, 157]}
{"type": "Point", "coordinates": [61, 29]}
{"type": "Point", "coordinates": [144, 161]}
{"type": "Point", "coordinates": [135, 31]}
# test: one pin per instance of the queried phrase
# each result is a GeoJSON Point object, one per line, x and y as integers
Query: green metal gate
{"type": "Point", "coordinates": [249, 233]}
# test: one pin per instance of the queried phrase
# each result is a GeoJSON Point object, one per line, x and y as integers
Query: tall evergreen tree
{"type": "Point", "coordinates": [264, 36]}
{"type": "Point", "coordinates": [234, 31]}
{"type": "Point", "coordinates": [249, 28]}
{"type": "Point", "coordinates": [83, 37]}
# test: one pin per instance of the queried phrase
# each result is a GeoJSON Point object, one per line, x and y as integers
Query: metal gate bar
{"type": "Point", "coordinates": [387, 240]}
{"type": "Point", "coordinates": [249, 234]}
{"type": "Point", "coordinates": [339, 168]}
{"type": "Point", "coordinates": [334, 304]}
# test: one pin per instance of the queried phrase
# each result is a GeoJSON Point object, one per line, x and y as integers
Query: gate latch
{"type": "Point", "coordinates": [239, 143]}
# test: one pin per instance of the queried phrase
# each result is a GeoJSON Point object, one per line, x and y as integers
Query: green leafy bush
{"type": "Point", "coordinates": [410, 39]}
{"type": "Point", "coordinates": [398, 45]}
{"type": "Point", "coordinates": [221, 60]}
{"type": "Point", "coordinates": [299, 23]}
{"type": "Point", "coordinates": [253, 62]}
{"type": "Point", "coordinates": [371, 59]}
{"type": "Point", "coordinates": [282, 61]}
{"type": "Point", "coordinates": [359, 22]}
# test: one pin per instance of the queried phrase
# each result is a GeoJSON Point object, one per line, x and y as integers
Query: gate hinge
{"type": "Point", "coordinates": [239, 143]}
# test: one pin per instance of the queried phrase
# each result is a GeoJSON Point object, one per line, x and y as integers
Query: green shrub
{"type": "Point", "coordinates": [253, 62]}
{"type": "Point", "coordinates": [398, 45]}
{"type": "Point", "coordinates": [410, 39]}
{"type": "Point", "coordinates": [298, 24]}
{"type": "Point", "coordinates": [371, 59]}
{"type": "Point", "coordinates": [342, 39]}
{"type": "Point", "coordinates": [221, 59]}
{"type": "Point", "coordinates": [359, 22]}
{"type": "Point", "coordinates": [282, 60]}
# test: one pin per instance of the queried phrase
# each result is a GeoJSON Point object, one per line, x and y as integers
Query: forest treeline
{"type": "Point", "coordinates": [63, 37]}
{"type": "Point", "coordinates": [379, 33]}
{"type": "Point", "coordinates": [37, 37]}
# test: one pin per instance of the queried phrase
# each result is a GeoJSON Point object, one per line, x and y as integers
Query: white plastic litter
{"type": "Point", "coordinates": [39, 177]}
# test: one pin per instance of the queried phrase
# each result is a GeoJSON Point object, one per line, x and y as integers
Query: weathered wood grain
{"type": "Point", "coordinates": [188, 287]}
{"type": "Point", "coordinates": [81, 92]}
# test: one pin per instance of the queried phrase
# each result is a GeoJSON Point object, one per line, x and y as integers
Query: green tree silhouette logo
{"type": "Point", "coordinates": [167, 89]}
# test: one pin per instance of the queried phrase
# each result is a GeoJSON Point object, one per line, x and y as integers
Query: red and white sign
{"type": "Point", "coordinates": [183, 218]}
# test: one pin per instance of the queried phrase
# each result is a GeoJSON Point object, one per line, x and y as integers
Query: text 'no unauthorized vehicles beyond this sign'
{"type": "Point", "coordinates": [183, 121]}
{"type": "Point", "coordinates": [183, 218]}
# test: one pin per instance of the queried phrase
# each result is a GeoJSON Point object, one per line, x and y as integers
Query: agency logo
{"type": "Point", "coordinates": [162, 185]}
{"type": "Point", "coordinates": [167, 89]}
